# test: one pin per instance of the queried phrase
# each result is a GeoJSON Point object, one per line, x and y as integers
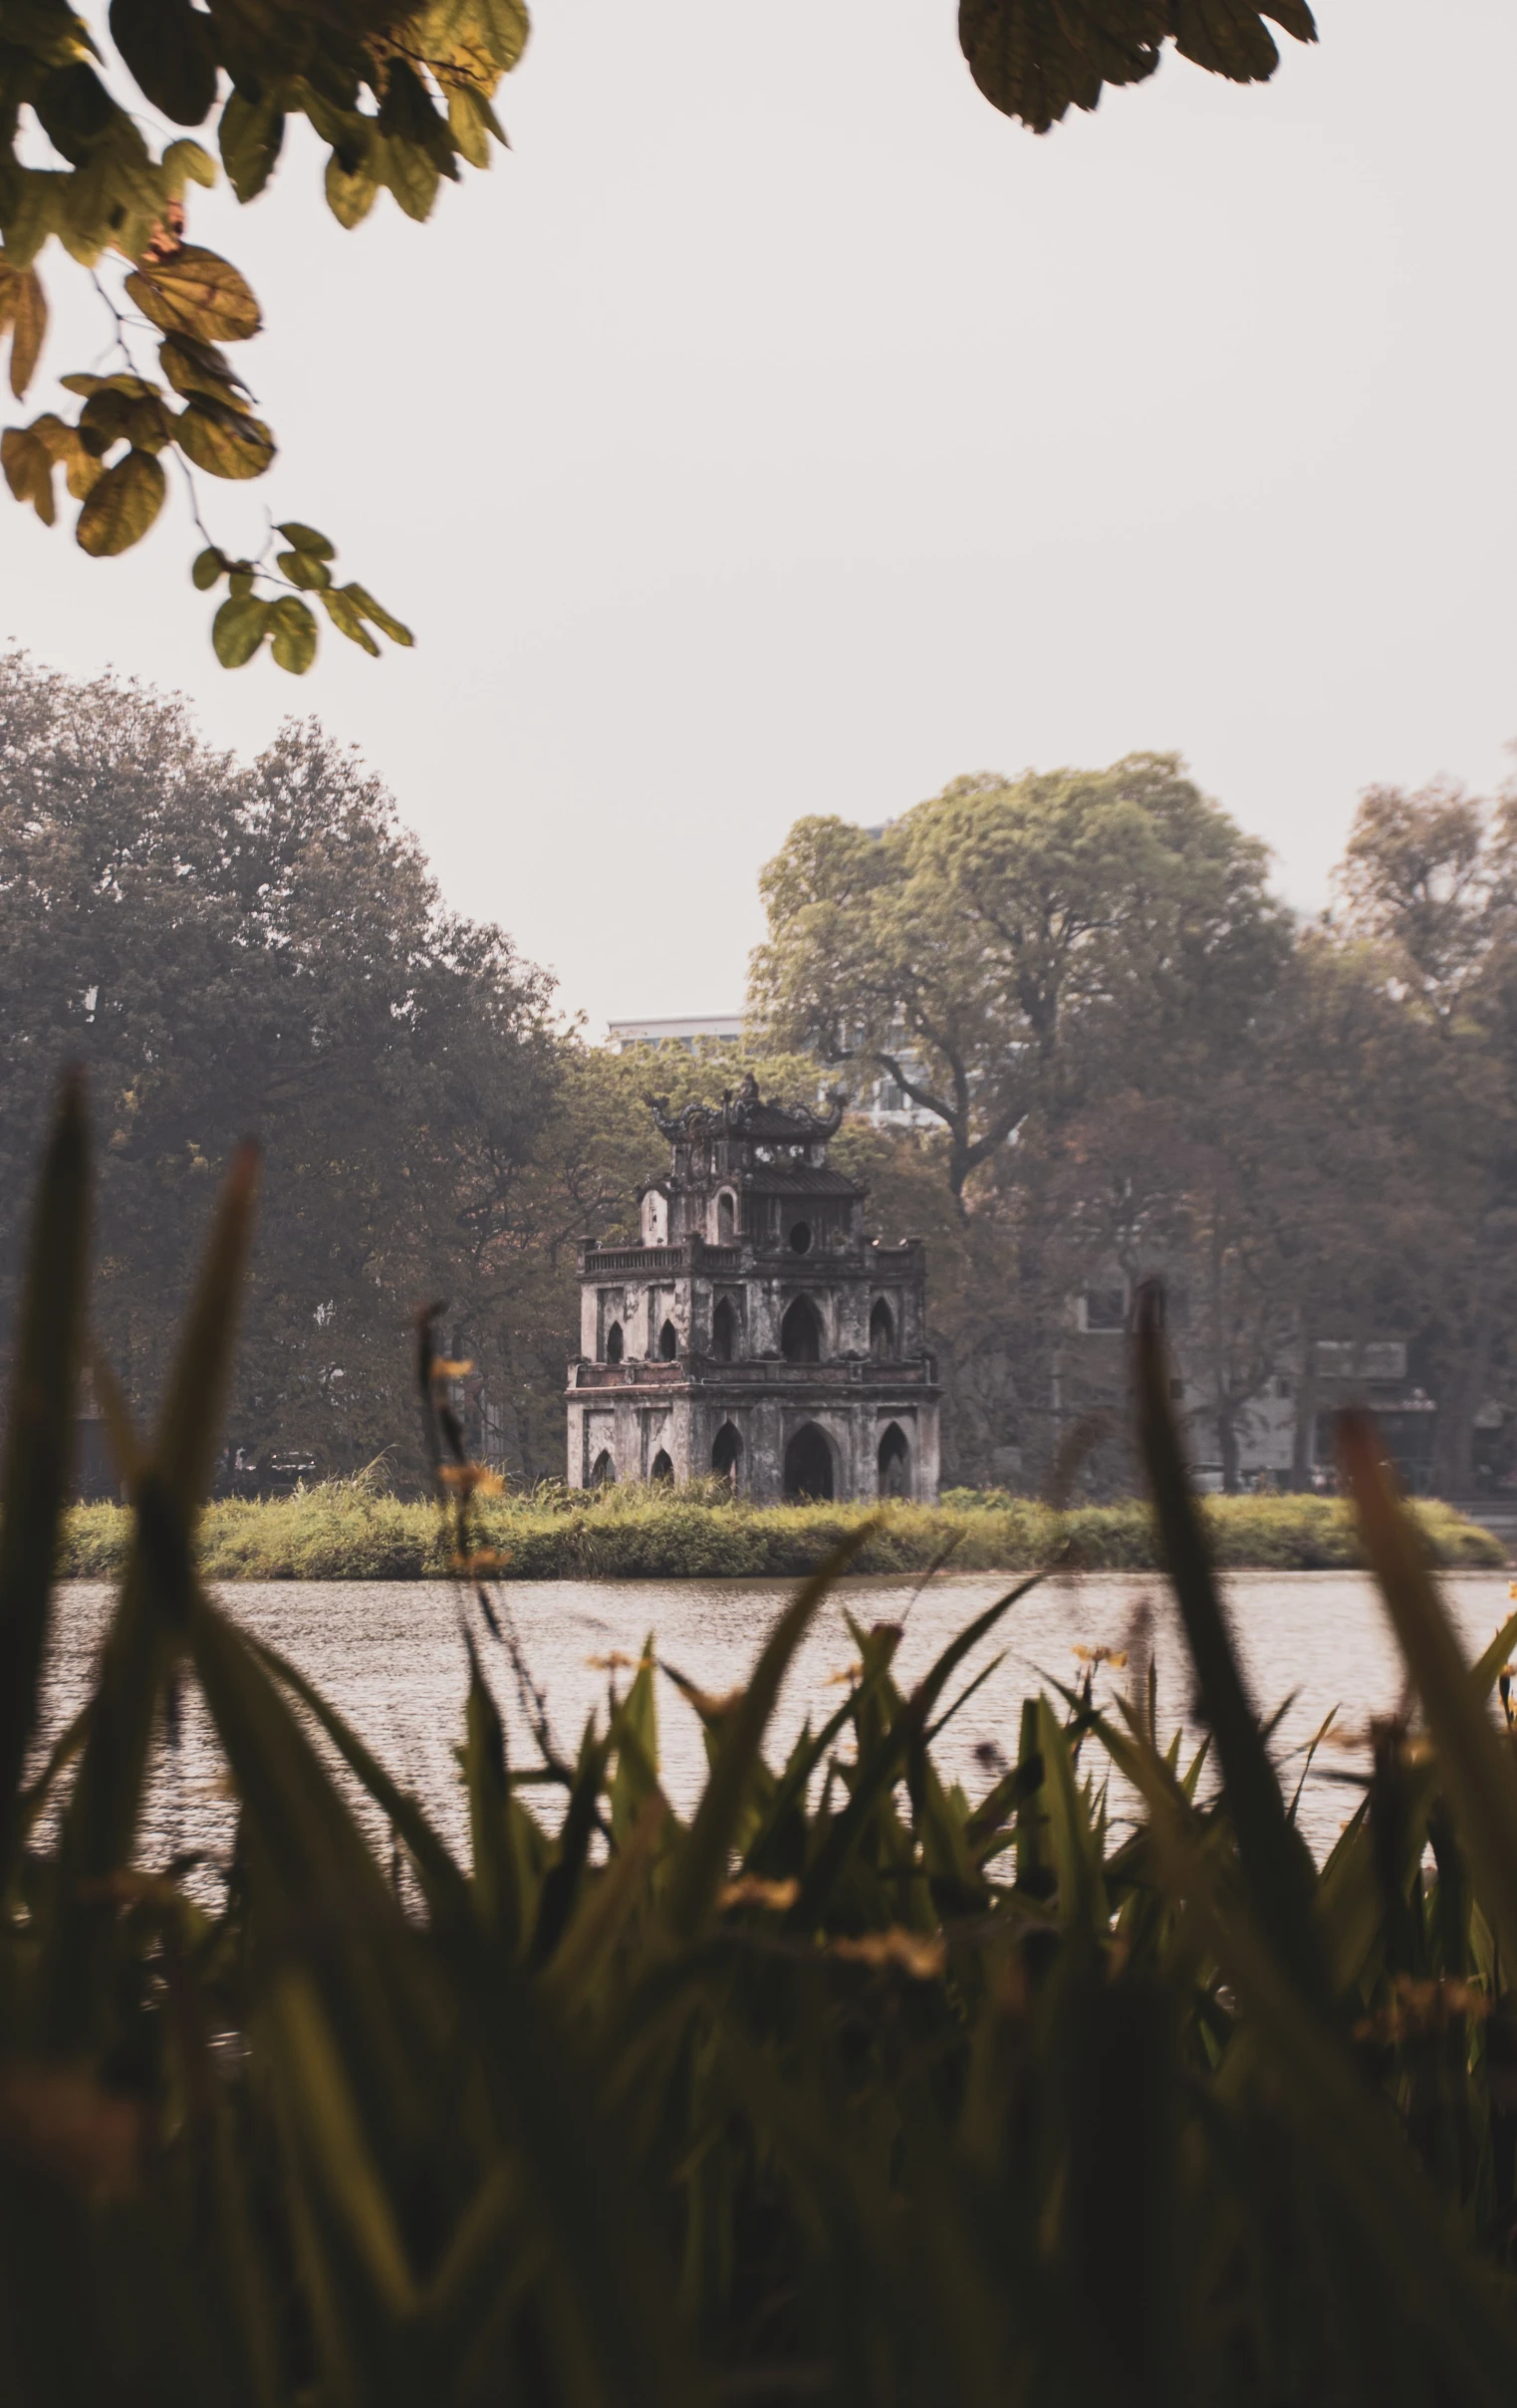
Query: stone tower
{"type": "Point", "coordinates": [755, 1332]}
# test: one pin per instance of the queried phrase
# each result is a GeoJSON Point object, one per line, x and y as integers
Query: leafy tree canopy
{"type": "Point", "coordinates": [231, 950]}
{"type": "Point", "coordinates": [402, 97]}
{"type": "Point", "coordinates": [986, 949]}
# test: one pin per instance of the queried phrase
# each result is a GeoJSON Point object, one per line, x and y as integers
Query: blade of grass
{"type": "Point", "coordinates": [1275, 1862]}
{"type": "Point", "coordinates": [1475, 1768]}
{"type": "Point", "coordinates": [38, 1432]}
{"type": "Point", "coordinates": [702, 1861]}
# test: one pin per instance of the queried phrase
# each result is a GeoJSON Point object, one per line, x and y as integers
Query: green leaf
{"type": "Point", "coordinates": [347, 621]}
{"type": "Point", "coordinates": [38, 1431]}
{"type": "Point", "coordinates": [209, 567]}
{"type": "Point", "coordinates": [121, 506]}
{"type": "Point", "coordinates": [306, 539]}
{"type": "Point", "coordinates": [238, 628]}
{"type": "Point", "coordinates": [196, 293]}
{"type": "Point", "coordinates": [363, 600]}
{"type": "Point", "coordinates": [311, 575]}
{"type": "Point", "coordinates": [251, 134]}
{"type": "Point", "coordinates": [171, 50]}
{"type": "Point", "coordinates": [224, 442]}
{"type": "Point", "coordinates": [292, 634]}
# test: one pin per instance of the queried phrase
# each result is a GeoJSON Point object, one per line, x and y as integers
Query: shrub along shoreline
{"type": "Point", "coordinates": [346, 1532]}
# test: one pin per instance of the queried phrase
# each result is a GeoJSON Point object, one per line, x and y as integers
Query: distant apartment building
{"type": "Point", "coordinates": [1300, 1385]}
{"type": "Point", "coordinates": [880, 1100]}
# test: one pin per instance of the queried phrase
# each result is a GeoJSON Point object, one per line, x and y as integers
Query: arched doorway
{"type": "Point", "coordinates": [809, 1464]}
{"type": "Point", "coordinates": [614, 1343]}
{"type": "Point", "coordinates": [662, 1470]}
{"type": "Point", "coordinates": [724, 1332]}
{"type": "Point", "coordinates": [669, 1343]}
{"type": "Point", "coordinates": [894, 1463]}
{"type": "Point", "coordinates": [882, 1333]}
{"type": "Point", "coordinates": [727, 1453]}
{"type": "Point", "coordinates": [726, 1220]}
{"type": "Point", "coordinates": [800, 1335]}
{"type": "Point", "coordinates": [602, 1472]}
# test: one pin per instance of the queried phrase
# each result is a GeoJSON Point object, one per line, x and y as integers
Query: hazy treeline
{"type": "Point", "coordinates": [1135, 1057]}
{"type": "Point", "coordinates": [1131, 1054]}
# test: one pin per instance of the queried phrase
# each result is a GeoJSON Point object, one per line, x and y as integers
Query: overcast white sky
{"type": "Point", "coordinates": [778, 429]}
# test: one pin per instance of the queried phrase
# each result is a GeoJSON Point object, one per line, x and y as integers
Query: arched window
{"type": "Point", "coordinates": [809, 1464]}
{"type": "Point", "coordinates": [602, 1472]}
{"type": "Point", "coordinates": [726, 1220]}
{"type": "Point", "coordinates": [727, 1453]}
{"type": "Point", "coordinates": [894, 1463]}
{"type": "Point", "coordinates": [614, 1343]}
{"type": "Point", "coordinates": [800, 1237]}
{"type": "Point", "coordinates": [882, 1333]}
{"type": "Point", "coordinates": [800, 1335]}
{"type": "Point", "coordinates": [662, 1470]}
{"type": "Point", "coordinates": [669, 1343]}
{"type": "Point", "coordinates": [724, 1332]}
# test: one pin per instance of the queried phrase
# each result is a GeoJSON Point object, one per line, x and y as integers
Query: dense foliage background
{"type": "Point", "coordinates": [1127, 1053]}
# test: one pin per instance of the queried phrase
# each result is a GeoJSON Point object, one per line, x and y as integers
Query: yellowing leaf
{"type": "Point", "coordinates": [237, 630]}
{"type": "Point", "coordinates": [122, 506]}
{"type": "Point", "coordinates": [29, 471]}
{"type": "Point", "coordinates": [196, 293]}
{"type": "Point", "coordinates": [186, 162]}
{"type": "Point", "coordinates": [199, 367]}
{"type": "Point", "coordinates": [24, 307]}
{"type": "Point", "coordinates": [224, 442]}
{"type": "Point", "coordinates": [922, 1955]}
{"type": "Point", "coordinates": [350, 198]}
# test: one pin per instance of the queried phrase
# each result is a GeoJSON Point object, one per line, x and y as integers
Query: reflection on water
{"type": "Point", "coordinates": [388, 1656]}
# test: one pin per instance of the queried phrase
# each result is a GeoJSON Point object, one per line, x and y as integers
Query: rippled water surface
{"type": "Point", "coordinates": [388, 1656]}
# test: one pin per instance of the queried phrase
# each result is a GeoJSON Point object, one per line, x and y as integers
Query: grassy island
{"type": "Point", "coordinates": [344, 1531]}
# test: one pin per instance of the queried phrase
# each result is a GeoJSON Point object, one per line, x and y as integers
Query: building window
{"type": "Point", "coordinates": [603, 1470]}
{"type": "Point", "coordinates": [726, 1220]}
{"type": "Point", "coordinates": [1106, 1309]}
{"type": "Point", "coordinates": [800, 1237]}
{"type": "Point", "coordinates": [662, 1470]}
{"type": "Point", "coordinates": [727, 1453]}
{"type": "Point", "coordinates": [882, 1333]}
{"type": "Point", "coordinates": [669, 1342]}
{"type": "Point", "coordinates": [614, 1343]}
{"type": "Point", "coordinates": [724, 1332]}
{"type": "Point", "coordinates": [894, 1461]}
{"type": "Point", "coordinates": [800, 1337]}
{"type": "Point", "coordinates": [809, 1464]}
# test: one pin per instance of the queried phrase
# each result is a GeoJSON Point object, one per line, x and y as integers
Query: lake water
{"type": "Point", "coordinates": [388, 1656]}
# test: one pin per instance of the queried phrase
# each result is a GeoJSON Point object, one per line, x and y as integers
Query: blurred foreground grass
{"type": "Point", "coordinates": [343, 1531]}
{"type": "Point", "coordinates": [852, 2087]}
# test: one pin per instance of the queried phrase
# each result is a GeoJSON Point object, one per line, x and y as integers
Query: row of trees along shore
{"type": "Point", "coordinates": [1127, 1051]}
